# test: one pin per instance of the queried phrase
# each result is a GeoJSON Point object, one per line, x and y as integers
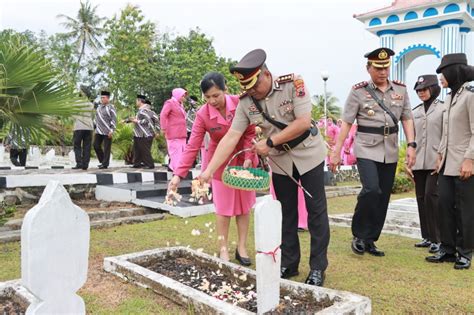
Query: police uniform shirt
{"type": "Point", "coordinates": [457, 141]}
{"type": "Point", "coordinates": [147, 122]}
{"type": "Point", "coordinates": [283, 104]}
{"type": "Point", "coordinates": [361, 106]}
{"type": "Point", "coordinates": [428, 130]}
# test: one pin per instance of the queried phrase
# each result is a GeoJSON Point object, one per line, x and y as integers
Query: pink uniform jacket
{"type": "Point", "coordinates": [209, 119]}
{"type": "Point", "coordinates": [173, 116]}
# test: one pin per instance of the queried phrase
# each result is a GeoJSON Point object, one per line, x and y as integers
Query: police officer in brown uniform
{"type": "Point", "coordinates": [281, 107]}
{"type": "Point", "coordinates": [378, 105]}
{"type": "Point", "coordinates": [456, 163]}
{"type": "Point", "coordinates": [428, 118]}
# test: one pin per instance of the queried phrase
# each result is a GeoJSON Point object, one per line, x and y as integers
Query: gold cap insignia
{"type": "Point", "coordinates": [383, 55]}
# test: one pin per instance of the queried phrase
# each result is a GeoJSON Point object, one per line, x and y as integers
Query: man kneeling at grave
{"type": "Point", "coordinates": [281, 107]}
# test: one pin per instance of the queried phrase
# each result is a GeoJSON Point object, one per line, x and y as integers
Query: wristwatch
{"type": "Point", "coordinates": [411, 144]}
{"type": "Point", "coordinates": [270, 142]}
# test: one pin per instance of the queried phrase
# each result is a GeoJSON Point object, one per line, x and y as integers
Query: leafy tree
{"type": "Point", "coordinates": [85, 30]}
{"type": "Point", "coordinates": [30, 93]}
{"type": "Point", "coordinates": [130, 53]}
{"type": "Point", "coordinates": [332, 107]}
{"type": "Point", "coordinates": [62, 54]}
{"type": "Point", "coordinates": [185, 60]}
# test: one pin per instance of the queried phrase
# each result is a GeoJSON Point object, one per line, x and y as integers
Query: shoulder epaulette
{"type": "Point", "coordinates": [397, 82]}
{"type": "Point", "coordinates": [436, 101]}
{"type": "Point", "coordinates": [470, 88]}
{"type": "Point", "coordinates": [285, 78]}
{"type": "Point", "coordinates": [243, 94]}
{"type": "Point", "coordinates": [360, 85]}
{"type": "Point", "coordinates": [417, 106]}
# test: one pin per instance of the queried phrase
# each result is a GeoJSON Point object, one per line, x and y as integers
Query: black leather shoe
{"type": "Point", "coordinates": [315, 277]}
{"type": "Point", "coordinates": [137, 166]}
{"type": "Point", "coordinates": [102, 167]}
{"type": "Point", "coordinates": [440, 257]}
{"type": "Point", "coordinates": [373, 250]}
{"type": "Point", "coordinates": [76, 167]}
{"type": "Point", "coordinates": [244, 261]}
{"type": "Point", "coordinates": [286, 273]}
{"type": "Point", "coordinates": [434, 248]}
{"type": "Point", "coordinates": [423, 243]}
{"type": "Point", "coordinates": [462, 263]}
{"type": "Point", "coordinates": [358, 246]}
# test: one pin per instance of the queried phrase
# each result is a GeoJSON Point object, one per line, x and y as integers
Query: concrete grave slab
{"type": "Point", "coordinates": [130, 268]}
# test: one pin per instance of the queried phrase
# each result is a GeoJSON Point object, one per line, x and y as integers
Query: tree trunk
{"type": "Point", "coordinates": [80, 57]}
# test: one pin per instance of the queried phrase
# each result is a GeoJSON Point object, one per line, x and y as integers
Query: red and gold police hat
{"type": "Point", "coordinates": [248, 68]}
{"type": "Point", "coordinates": [380, 58]}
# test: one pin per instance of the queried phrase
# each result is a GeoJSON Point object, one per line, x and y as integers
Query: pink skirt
{"type": "Point", "coordinates": [175, 150]}
{"type": "Point", "coordinates": [231, 202]}
{"type": "Point", "coordinates": [302, 211]}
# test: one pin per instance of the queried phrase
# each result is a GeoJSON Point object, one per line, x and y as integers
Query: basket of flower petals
{"type": "Point", "coordinates": [238, 177]}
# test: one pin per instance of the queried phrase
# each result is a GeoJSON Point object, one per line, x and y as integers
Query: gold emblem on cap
{"type": "Point", "coordinates": [421, 79]}
{"type": "Point", "coordinates": [238, 75]}
{"type": "Point", "coordinates": [383, 55]}
{"type": "Point", "coordinates": [371, 112]}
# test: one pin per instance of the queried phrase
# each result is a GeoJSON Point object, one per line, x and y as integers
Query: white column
{"type": "Point", "coordinates": [463, 38]}
{"type": "Point", "coordinates": [388, 41]}
{"type": "Point", "coordinates": [450, 39]}
{"type": "Point", "coordinates": [450, 42]}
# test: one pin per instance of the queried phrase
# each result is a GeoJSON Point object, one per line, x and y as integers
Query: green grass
{"type": "Point", "coordinates": [401, 282]}
{"type": "Point", "coordinates": [346, 204]}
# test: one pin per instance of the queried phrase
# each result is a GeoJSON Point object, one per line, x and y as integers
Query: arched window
{"type": "Point", "coordinates": [411, 16]}
{"type": "Point", "coordinates": [393, 19]}
{"type": "Point", "coordinates": [375, 21]}
{"type": "Point", "coordinates": [453, 7]}
{"type": "Point", "coordinates": [430, 12]}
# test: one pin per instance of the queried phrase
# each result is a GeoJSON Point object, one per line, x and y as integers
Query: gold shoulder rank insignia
{"type": "Point", "coordinates": [397, 82]}
{"type": "Point", "coordinates": [243, 94]}
{"type": "Point", "coordinates": [285, 78]}
{"type": "Point", "coordinates": [360, 85]}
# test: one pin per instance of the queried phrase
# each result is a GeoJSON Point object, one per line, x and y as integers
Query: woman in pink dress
{"type": "Point", "coordinates": [173, 125]}
{"type": "Point", "coordinates": [215, 117]}
{"type": "Point", "coordinates": [348, 152]}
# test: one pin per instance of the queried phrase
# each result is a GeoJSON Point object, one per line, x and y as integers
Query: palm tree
{"type": "Point", "coordinates": [332, 107]}
{"type": "Point", "coordinates": [30, 94]}
{"type": "Point", "coordinates": [86, 30]}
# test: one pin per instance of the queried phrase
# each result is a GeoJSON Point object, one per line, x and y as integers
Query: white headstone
{"type": "Point", "coordinates": [268, 257]}
{"type": "Point", "coordinates": [50, 155]}
{"type": "Point", "coordinates": [35, 154]}
{"type": "Point", "coordinates": [2, 152]}
{"type": "Point", "coordinates": [54, 252]}
{"type": "Point", "coordinates": [72, 157]}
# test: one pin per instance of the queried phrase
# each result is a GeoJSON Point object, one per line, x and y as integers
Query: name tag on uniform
{"type": "Point", "coordinates": [397, 97]}
{"type": "Point", "coordinates": [253, 110]}
{"type": "Point", "coordinates": [214, 129]}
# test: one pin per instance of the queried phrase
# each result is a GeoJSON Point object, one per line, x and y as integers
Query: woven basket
{"type": "Point", "coordinates": [254, 184]}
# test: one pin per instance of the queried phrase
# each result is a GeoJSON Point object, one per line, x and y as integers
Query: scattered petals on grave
{"type": "Point", "coordinates": [235, 288]}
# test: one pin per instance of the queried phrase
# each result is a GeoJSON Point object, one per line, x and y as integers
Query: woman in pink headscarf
{"type": "Point", "coordinates": [173, 125]}
{"type": "Point", "coordinates": [215, 117]}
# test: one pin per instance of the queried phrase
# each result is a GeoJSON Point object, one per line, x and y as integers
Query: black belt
{"type": "Point", "coordinates": [293, 143]}
{"type": "Point", "coordinates": [384, 130]}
